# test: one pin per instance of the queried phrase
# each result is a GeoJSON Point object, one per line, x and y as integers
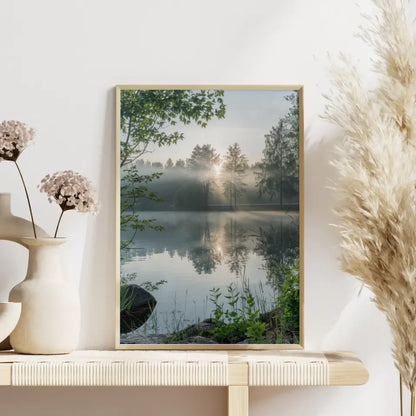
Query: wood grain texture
{"type": "Point", "coordinates": [238, 401]}
{"type": "Point", "coordinates": [238, 374]}
{"type": "Point", "coordinates": [345, 368]}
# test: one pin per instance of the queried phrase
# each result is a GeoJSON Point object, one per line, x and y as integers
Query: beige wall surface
{"type": "Point", "coordinates": [59, 64]}
{"type": "Point", "coordinates": [89, 401]}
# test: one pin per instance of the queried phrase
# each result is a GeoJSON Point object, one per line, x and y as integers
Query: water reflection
{"type": "Point", "coordinates": [211, 239]}
{"type": "Point", "coordinates": [237, 251]}
{"type": "Point", "coordinates": [197, 251]}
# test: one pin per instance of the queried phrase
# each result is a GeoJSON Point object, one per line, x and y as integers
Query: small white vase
{"type": "Point", "coordinates": [9, 315]}
{"type": "Point", "coordinates": [50, 318]}
{"type": "Point", "coordinates": [12, 228]}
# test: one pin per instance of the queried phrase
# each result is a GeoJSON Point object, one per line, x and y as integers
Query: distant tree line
{"type": "Point", "coordinates": [205, 180]}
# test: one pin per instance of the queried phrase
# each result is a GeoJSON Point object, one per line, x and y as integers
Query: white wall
{"type": "Point", "coordinates": [59, 63]}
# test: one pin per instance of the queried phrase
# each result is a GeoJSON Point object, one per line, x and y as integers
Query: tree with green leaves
{"type": "Point", "coordinates": [278, 174]}
{"type": "Point", "coordinates": [234, 169]}
{"type": "Point", "coordinates": [146, 115]}
{"type": "Point", "coordinates": [202, 161]}
{"type": "Point", "coordinates": [148, 119]}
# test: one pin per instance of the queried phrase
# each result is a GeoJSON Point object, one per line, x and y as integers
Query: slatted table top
{"type": "Point", "coordinates": [209, 368]}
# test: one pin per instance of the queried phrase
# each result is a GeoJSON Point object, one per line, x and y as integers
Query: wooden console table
{"type": "Point", "coordinates": [236, 370]}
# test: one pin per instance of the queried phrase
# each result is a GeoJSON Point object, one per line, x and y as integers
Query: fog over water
{"type": "Point", "coordinates": [197, 251]}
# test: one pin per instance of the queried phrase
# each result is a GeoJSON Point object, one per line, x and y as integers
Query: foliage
{"type": "Point", "coordinates": [288, 301]}
{"type": "Point", "coordinates": [126, 299]}
{"type": "Point", "coordinates": [234, 167]}
{"type": "Point", "coordinates": [278, 173]}
{"type": "Point", "coordinates": [243, 317]}
{"type": "Point", "coordinates": [144, 117]}
{"type": "Point", "coordinates": [133, 188]}
{"type": "Point", "coordinates": [239, 319]}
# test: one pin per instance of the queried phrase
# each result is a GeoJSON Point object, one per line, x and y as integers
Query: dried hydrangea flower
{"type": "Point", "coordinates": [70, 190]}
{"type": "Point", "coordinates": [14, 137]}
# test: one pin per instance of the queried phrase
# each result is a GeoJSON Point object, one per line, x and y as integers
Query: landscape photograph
{"type": "Point", "coordinates": [210, 215]}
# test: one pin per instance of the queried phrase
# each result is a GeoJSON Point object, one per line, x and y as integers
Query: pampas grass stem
{"type": "Point", "coordinates": [376, 163]}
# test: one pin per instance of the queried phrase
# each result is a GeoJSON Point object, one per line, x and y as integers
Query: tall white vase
{"type": "Point", "coordinates": [50, 317]}
{"type": "Point", "coordinates": [12, 228]}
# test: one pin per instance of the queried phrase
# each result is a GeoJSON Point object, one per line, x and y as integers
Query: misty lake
{"type": "Point", "coordinates": [198, 251]}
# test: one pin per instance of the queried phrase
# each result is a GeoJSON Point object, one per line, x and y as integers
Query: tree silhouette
{"type": "Point", "coordinates": [202, 161]}
{"type": "Point", "coordinates": [278, 174]}
{"type": "Point", "coordinates": [180, 163]}
{"type": "Point", "coordinates": [169, 164]}
{"type": "Point", "coordinates": [234, 169]}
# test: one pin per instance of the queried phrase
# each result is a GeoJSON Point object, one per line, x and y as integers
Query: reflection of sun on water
{"type": "Point", "coordinates": [217, 169]}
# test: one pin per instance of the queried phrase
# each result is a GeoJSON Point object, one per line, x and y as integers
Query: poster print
{"type": "Point", "coordinates": [210, 217]}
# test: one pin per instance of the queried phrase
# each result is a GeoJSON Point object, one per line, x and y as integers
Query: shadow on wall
{"type": "Point", "coordinates": [327, 290]}
{"type": "Point", "coordinates": [97, 286]}
{"type": "Point", "coordinates": [336, 316]}
{"type": "Point", "coordinates": [363, 328]}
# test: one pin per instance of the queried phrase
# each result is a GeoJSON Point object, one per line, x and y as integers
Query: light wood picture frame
{"type": "Point", "coordinates": [209, 208]}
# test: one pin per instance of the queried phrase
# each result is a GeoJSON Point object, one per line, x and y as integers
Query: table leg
{"type": "Point", "coordinates": [238, 401]}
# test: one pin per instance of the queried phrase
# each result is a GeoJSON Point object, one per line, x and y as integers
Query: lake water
{"type": "Point", "coordinates": [198, 251]}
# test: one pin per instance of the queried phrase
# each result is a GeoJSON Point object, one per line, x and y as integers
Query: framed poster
{"type": "Point", "coordinates": [209, 217]}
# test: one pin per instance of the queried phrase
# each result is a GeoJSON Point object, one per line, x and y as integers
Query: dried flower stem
{"type": "Point", "coordinates": [59, 222]}
{"type": "Point", "coordinates": [28, 199]}
{"type": "Point", "coordinates": [401, 396]}
{"type": "Point", "coordinates": [412, 402]}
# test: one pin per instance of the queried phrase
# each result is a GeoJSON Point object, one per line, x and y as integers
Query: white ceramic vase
{"type": "Point", "coordinates": [50, 317]}
{"type": "Point", "coordinates": [9, 315]}
{"type": "Point", "coordinates": [12, 228]}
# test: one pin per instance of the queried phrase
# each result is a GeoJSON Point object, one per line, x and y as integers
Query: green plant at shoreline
{"type": "Point", "coordinates": [241, 316]}
{"type": "Point", "coordinates": [239, 319]}
{"type": "Point", "coordinates": [288, 302]}
{"type": "Point", "coordinates": [126, 299]}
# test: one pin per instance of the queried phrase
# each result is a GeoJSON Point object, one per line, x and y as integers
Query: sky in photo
{"type": "Point", "coordinates": [250, 114]}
